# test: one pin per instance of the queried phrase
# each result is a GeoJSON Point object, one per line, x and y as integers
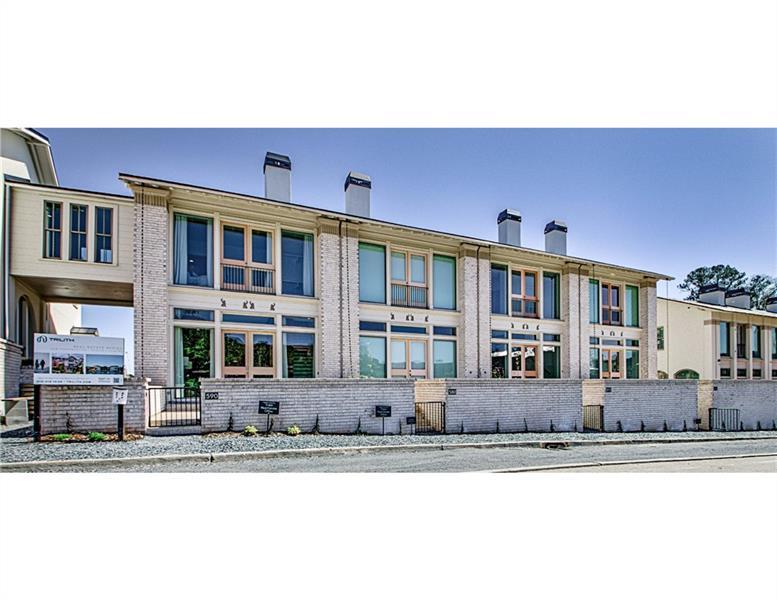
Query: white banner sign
{"type": "Point", "coordinates": [120, 395]}
{"type": "Point", "coordinates": [78, 360]}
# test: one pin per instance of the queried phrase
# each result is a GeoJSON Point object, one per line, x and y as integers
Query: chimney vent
{"type": "Point", "coordinates": [357, 194]}
{"type": "Point", "coordinates": [712, 294]}
{"type": "Point", "coordinates": [771, 304]}
{"type": "Point", "coordinates": [277, 177]}
{"type": "Point", "coordinates": [509, 225]}
{"type": "Point", "coordinates": [556, 237]}
{"type": "Point", "coordinates": [738, 298]}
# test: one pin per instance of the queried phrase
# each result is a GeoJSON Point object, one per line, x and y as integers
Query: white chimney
{"type": "Point", "coordinates": [509, 225]}
{"type": "Point", "coordinates": [712, 294]}
{"type": "Point", "coordinates": [739, 298]}
{"type": "Point", "coordinates": [357, 194]}
{"type": "Point", "coordinates": [771, 304]}
{"type": "Point", "coordinates": [556, 237]}
{"type": "Point", "coordinates": [277, 177]}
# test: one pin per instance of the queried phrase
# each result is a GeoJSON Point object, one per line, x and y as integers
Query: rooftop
{"type": "Point", "coordinates": [731, 309]}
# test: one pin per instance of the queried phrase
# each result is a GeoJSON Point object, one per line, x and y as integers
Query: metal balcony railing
{"type": "Point", "coordinates": [245, 278]}
{"type": "Point", "coordinates": [411, 296]}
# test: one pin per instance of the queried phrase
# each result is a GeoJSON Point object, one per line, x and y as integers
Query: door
{"type": "Point", "coordinates": [612, 364]}
{"type": "Point", "coordinates": [523, 361]}
{"type": "Point", "coordinates": [262, 355]}
{"type": "Point", "coordinates": [248, 354]}
{"type": "Point", "coordinates": [408, 358]}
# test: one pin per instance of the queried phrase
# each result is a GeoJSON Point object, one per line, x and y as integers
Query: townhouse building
{"type": "Point", "coordinates": [717, 337]}
{"type": "Point", "coordinates": [231, 285]}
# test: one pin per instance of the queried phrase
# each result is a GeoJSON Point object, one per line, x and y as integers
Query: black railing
{"type": "Point", "coordinates": [593, 418]}
{"type": "Point", "coordinates": [430, 417]}
{"type": "Point", "coordinates": [244, 278]}
{"type": "Point", "coordinates": [411, 296]}
{"type": "Point", "coordinates": [724, 419]}
{"type": "Point", "coordinates": [173, 406]}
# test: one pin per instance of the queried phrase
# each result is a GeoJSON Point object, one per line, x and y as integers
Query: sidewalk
{"type": "Point", "coordinates": [23, 449]}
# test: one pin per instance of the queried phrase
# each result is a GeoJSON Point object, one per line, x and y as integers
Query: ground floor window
{"type": "Point", "coordinates": [551, 362]}
{"type": "Point", "coordinates": [299, 355]}
{"type": "Point", "coordinates": [608, 359]}
{"type": "Point", "coordinates": [632, 364]}
{"type": "Point", "coordinates": [686, 374]}
{"type": "Point", "coordinates": [444, 358]}
{"type": "Point", "coordinates": [372, 356]}
{"type": "Point", "coordinates": [525, 360]}
{"type": "Point", "coordinates": [499, 368]}
{"type": "Point", "coordinates": [193, 359]}
{"type": "Point", "coordinates": [408, 358]}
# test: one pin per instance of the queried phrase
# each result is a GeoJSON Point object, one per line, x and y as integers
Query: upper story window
{"type": "Point", "coordinates": [78, 225]}
{"type": "Point", "coordinates": [193, 251]}
{"type": "Point", "coordinates": [725, 339]}
{"type": "Point", "coordinates": [774, 342]}
{"type": "Point", "coordinates": [594, 309]}
{"type": "Point", "coordinates": [524, 299]}
{"type": "Point", "coordinates": [409, 279]}
{"type": "Point", "coordinates": [742, 341]}
{"type": "Point", "coordinates": [755, 344]}
{"type": "Point", "coordinates": [444, 280]}
{"type": "Point", "coordinates": [103, 234]}
{"type": "Point", "coordinates": [632, 306]}
{"type": "Point", "coordinates": [499, 289]}
{"type": "Point", "coordinates": [660, 338]}
{"type": "Point", "coordinates": [246, 260]}
{"type": "Point", "coordinates": [551, 296]}
{"type": "Point", "coordinates": [297, 263]}
{"type": "Point", "coordinates": [372, 273]}
{"type": "Point", "coordinates": [52, 239]}
{"type": "Point", "coordinates": [611, 304]}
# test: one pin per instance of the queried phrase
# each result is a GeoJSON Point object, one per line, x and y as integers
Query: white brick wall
{"type": "Point", "coordinates": [756, 401]}
{"type": "Point", "coordinates": [91, 408]}
{"type": "Point", "coordinates": [10, 366]}
{"type": "Point", "coordinates": [340, 404]}
{"type": "Point", "coordinates": [648, 342]}
{"type": "Point", "coordinates": [517, 405]}
{"type": "Point", "coordinates": [474, 345]}
{"type": "Point", "coordinates": [650, 402]}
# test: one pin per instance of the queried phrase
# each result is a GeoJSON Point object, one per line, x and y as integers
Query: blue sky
{"type": "Point", "coordinates": [666, 200]}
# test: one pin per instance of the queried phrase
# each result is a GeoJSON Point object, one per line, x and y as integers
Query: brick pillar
{"type": "Point", "coordinates": [350, 312]}
{"type": "Point", "coordinates": [474, 302]}
{"type": "Point", "coordinates": [648, 339]}
{"type": "Point", "coordinates": [10, 368]}
{"type": "Point", "coordinates": [150, 286]}
{"type": "Point", "coordinates": [574, 312]}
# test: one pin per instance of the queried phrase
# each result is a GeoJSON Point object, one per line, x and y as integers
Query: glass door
{"type": "Point", "coordinates": [262, 353]}
{"type": "Point", "coordinates": [408, 358]}
{"type": "Point", "coordinates": [235, 354]}
{"type": "Point", "coordinates": [248, 355]}
{"type": "Point", "coordinates": [612, 364]}
{"type": "Point", "coordinates": [523, 361]}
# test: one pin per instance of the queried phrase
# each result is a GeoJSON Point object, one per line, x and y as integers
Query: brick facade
{"type": "Point", "coordinates": [630, 404]}
{"type": "Point", "coordinates": [474, 301]}
{"type": "Point", "coordinates": [10, 368]}
{"type": "Point", "coordinates": [756, 401]}
{"type": "Point", "coordinates": [341, 405]}
{"type": "Point", "coordinates": [574, 312]}
{"type": "Point", "coordinates": [648, 341]}
{"type": "Point", "coordinates": [80, 409]}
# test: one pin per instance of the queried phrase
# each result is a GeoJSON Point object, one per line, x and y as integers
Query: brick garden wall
{"type": "Point", "coordinates": [10, 364]}
{"type": "Point", "coordinates": [756, 401]}
{"type": "Point", "coordinates": [341, 405]}
{"type": "Point", "coordinates": [516, 405]}
{"type": "Point", "coordinates": [91, 408]}
{"type": "Point", "coordinates": [651, 402]}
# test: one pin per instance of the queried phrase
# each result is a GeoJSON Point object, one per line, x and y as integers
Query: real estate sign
{"type": "Point", "coordinates": [78, 360]}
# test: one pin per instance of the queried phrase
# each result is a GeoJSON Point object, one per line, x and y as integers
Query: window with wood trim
{"type": "Point", "coordinates": [409, 279]}
{"type": "Point", "coordinates": [246, 259]}
{"type": "Point", "coordinates": [612, 304]}
{"type": "Point", "coordinates": [524, 301]}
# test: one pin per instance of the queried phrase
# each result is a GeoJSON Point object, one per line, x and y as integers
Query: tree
{"type": "Point", "coordinates": [725, 276]}
{"type": "Point", "coordinates": [761, 287]}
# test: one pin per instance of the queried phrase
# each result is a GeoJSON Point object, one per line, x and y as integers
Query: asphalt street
{"type": "Point", "coordinates": [483, 459]}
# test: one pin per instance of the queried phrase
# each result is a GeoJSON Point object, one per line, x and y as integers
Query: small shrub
{"type": "Point", "coordinates": [293, 430]}
{"type": "Point", "coordinates": [96, 436]}
{"type": "Point", "coordinates": [61, 437]}
{"type": "Point", "coordinates": [250, 430]}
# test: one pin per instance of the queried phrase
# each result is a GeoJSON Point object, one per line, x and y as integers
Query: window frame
{"type": "Point", "coordinates": [110, 236]}
{"type": "Point", "coordinates": [386, 254]}
{"type": "Point", "coordinates": [47, 229]}
{"type": "Point", "coordinates": [434, 286]}
{"type": "Point", "coordinates": [523, 297]}
{"type": "Point", "coordinates": [314, 258]}
{"type": "Point", "coordinates": [82, 234]}
{"type": "Point", "coordinates": [610, 308]}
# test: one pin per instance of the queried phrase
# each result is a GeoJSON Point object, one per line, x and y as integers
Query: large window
{"type": "Point", "coordinates": [524, 300]}
{"type": "Point", "coordinates": [249, 354]}
{"type": "Point", "coordinates": [246, 260]}
{"type": "Point", "coordinates": [372, 273]}
{"type": "Point", "coordinates": [192, 251]}
{"type": "Point", "coordinates": [725, 339]}
{"type": "Point", "coordinates": [755, 344]}
{"type": "Point", "coordinates": [444, 273]}
{"type": "Point", "coordinates": [593, 301]}
{"type": "Point", "coordinates": [408, 279]}
{"type": "Point", "coordinates": [193, 355]}
{"type": "Point", "coordinates": [632, 364]}
{"type": "Point", "coordinates": [297, 263]}
{"type": "Point", "coordinates": [551, 362]}
{"type": "Point", "coordinates": [774, 342]}
{"type": "Point", "coordinates": [551, 296]}
{"type": "Point", "coordinates": [611, 304]}
{"type": "Point", "coordinates": [78, 220]}
{"type": "Point", "coordinates": [372, 356]}
{"type": "Point", "coordinates": [499, 289]}
{"type": "Point", "coordinates": [444, 358]}
{"type": "Point", "coordinates": [741, 341]}
{"type": "Point", "coordinates": [52, 229]}
{"type": "Point", "coordinates": [632, 306]}
{"type": "Point", "coordinates": [594, 366]}
{"type": "Point", "coordinates": [298, 355]}
{"type": "Point", "coordinates": [103, 234]}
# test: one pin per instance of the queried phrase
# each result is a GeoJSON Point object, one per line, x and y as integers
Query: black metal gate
{"type": "Point", "coordinates": [173, 406]}
{"type": "Point", "coordinates": [724, 419]}
{"type": "Point", "coordinates": [430, 417]}
{"type": "Point", "coordinates": [593, 418]}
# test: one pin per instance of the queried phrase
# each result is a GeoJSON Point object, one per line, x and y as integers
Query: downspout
{"type": "Point", "coordinates": [4, 236]}
{"type": "Point", "coordinates": [340, 315]}
{"type": "Point", "coordinates": [477, 303]}
{"type": "Point", "coordinates": [580, 323]}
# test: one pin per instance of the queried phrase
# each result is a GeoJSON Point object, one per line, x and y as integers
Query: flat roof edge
{"type": "Point", "coordinates": [57, 188]}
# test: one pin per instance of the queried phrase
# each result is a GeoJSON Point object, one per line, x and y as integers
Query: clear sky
{"type": "Point", "coordinates": [665, 200]}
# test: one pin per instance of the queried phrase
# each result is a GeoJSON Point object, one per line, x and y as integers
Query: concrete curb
{"type": "Point", "coordinates": [311, 452]}
{"type": "Point", "coordinates": [626, 462]}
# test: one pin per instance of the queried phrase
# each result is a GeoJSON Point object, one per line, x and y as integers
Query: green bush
{"type": "Point", "coordinates": [293, 430]}
{"type": "Point", "coordinates": [96, 436]}
{"type": "Point", "coordinates": [250, 430]}
{"type": "Point", "coordinates": [61, 437]}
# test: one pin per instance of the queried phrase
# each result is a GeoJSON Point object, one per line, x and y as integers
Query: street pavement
{"type": "Point", "coordinates": [480, 459]}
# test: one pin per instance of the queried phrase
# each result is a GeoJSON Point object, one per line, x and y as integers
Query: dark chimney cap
{"type": "Point", "coordinates": [737, 292]}
{"type": "Point", "coordinates": [556, 226]}
{"type": "Point", "coordinates": [710, 287]}
{"type": "Point", "coordinates": [360, 179]}
{"type": "Point", "coordinates": [276, 160]}
{"type": "Point", "coordinates": [512, 215]}
{"type": "Point", "coordinates": [772, 300]}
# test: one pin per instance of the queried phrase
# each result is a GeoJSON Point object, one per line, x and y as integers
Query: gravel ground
{"type": "Point", "coordinates": [20, 449]}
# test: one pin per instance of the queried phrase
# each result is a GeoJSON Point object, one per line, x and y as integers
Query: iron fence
{"type": "Point", "coordinates": [724, 419]}
{"type": "Point", "coordinates": [173, 406]}
{"type": "Point", "coordinates": [593, 418]}
{"type": "Point", "coordinates": [430, 417]}
{"type": "Point", "coordinates": [412, 296]}
{"type": "Point", "coordinates": [244, 278]}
